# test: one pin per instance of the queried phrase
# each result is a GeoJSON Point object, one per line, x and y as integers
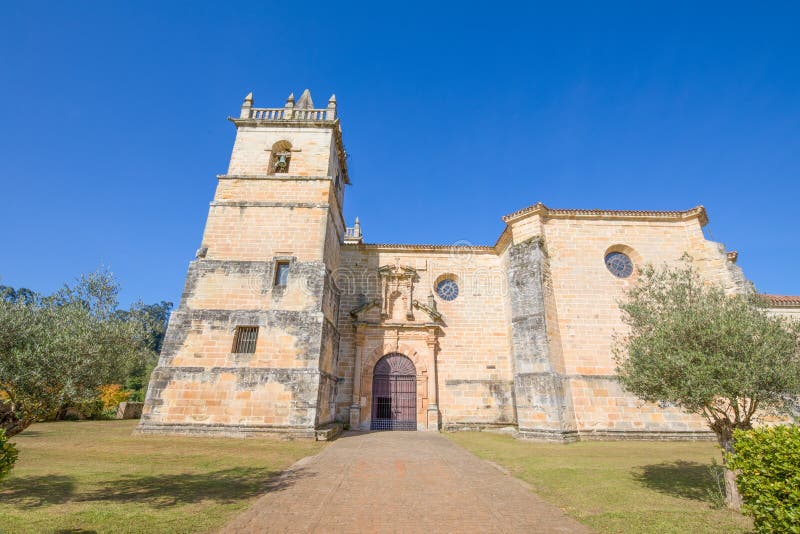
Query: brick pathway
{"type": "Point", "coordinates": [399, 482]}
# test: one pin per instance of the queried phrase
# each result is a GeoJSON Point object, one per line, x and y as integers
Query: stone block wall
{"type": "Point", "coordinates": [474, 380]}
{"type": "Point", "coordinates": [311, 150]}
{"type": "Point", "coordinates": [584, 315]}
{"type": "Point", "coordinates": [201, 386]}
{"type": "Point", "coordinates": [604, 411]}
{"type": "Point", "coordinates": [260, 233]}
{"type": "Point", "coordinates": [129, 410]}
{"type": "Point", "coordinates": [791, 312]}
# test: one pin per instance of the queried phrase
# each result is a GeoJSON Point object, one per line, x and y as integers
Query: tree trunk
{"type": "Point", "coordinates": [10, 422]}
{"type": "Point", "coordinates": [732, 496]}
{"type": "Point", "coordinates": [61, 413]}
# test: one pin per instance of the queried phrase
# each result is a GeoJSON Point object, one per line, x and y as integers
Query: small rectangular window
{"type": "Point", "coordinates": [244, 340]}
{"type": "Point", "coordinates": [281, 273]}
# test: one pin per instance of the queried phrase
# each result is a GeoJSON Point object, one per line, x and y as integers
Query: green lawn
{"type": "Point", "coordinates": [97, 476]}
{"type": "Point", "coordinates": [631, 487]}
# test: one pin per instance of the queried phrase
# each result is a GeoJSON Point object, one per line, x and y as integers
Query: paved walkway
{"type": "Point", "coordinates": [399, 482]}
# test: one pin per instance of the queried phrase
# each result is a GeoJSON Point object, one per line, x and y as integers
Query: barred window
{"type": "Point", "coordinates": [281, 273]}
{"type": "Point", "coordinates": [244, 340]}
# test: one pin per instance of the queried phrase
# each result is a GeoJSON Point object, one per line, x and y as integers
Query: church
{"type": "Point", "coordinates": [293, 323]}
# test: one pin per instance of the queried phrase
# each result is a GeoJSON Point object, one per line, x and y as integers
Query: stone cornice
{"type": "Point", "coordinates": [284, 123]}
{"type": "Point", "coordinates": [503, 240]}
{"type": "Point", "coordinates": [277, 177]}
{"type": "Point", "coordinates": [252, 204]}
{"type": "Point", "coordinates": [435, 316]}
{"type": "Point", "coordinates": [397, 270]}
{"type": "Point", "coordinates": [417, 248]}
{"type": "Point", "coordinates": [341, 152]}
{"type": "Point", "coordinates": [698, 212]}
{"type": "Point", "coordinates": [397, 326]}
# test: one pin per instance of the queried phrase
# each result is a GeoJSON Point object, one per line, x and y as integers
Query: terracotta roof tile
{"type": "Point", "coordinates": [782, 300]}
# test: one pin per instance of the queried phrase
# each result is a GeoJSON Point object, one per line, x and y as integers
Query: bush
{"type": "Point", "coordinates": [111, 395]}
{"type": "Point", "coordinates": [91, 409]}
{"type": "Point", "coordinates": [8, 455]}
{"type": "Point", "coordinates": [769, 478]}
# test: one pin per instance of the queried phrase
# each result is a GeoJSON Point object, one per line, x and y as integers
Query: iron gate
{"type": "Point", "coordinates": [394, 394]}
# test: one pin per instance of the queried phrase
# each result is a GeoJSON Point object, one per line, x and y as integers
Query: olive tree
{"type": "Point", "coordinates": [717, 355]}
{"type": "Point", "coordinates": [60, 349]}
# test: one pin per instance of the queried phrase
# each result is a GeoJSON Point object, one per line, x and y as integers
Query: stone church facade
{"type": "Point", "coordinates": [290, 322]}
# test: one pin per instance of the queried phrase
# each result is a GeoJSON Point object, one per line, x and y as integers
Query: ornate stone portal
{"type": "Point", "coordinates": [396, 329]}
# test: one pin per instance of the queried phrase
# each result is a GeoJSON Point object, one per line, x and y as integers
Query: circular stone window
{"type": "Point", "coordinates": [619, 264]}
{"type": "Point", "coordinates": [447, 289]}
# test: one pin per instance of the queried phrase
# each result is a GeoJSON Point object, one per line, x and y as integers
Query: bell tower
{"type": "Point", "coordinates": [253, 345]}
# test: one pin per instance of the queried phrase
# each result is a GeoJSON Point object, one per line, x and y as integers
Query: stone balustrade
{"type": "Point", "coordinates": [302, 111]}
{"type": "Point", "coordinates": [353, 235]}
{"type": "Point", "coordinates": [291, 114]}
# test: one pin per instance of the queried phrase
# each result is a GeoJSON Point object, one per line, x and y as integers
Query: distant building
{"type": "Point", "coordinates": [289, 321]}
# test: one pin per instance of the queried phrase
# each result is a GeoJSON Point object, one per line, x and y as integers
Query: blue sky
{"type": "Point", "coordinates": [113, 121]}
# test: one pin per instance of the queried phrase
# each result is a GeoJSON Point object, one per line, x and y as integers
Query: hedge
{"type": "Point", "coordinates": [769, 479]}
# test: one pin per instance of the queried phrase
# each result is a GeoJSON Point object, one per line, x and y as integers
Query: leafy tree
{"type": "Point", "coordinates": [152, 317]}
{"type": "Point", "coordinates": [23, 295]}
{"type": "Point", "coordinates": [720, 356]}
{"type": "Point", "coordinates": [61, 349]}
{"type": "Point", "coordinates": [152, 320]}
{"type": "Point", "coordinates": [111, 395]}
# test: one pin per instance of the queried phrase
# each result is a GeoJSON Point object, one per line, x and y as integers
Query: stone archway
{"type": "Point", "coordinates": [366, 369]}
{"type": "Point", "coordinates": [394, 394]}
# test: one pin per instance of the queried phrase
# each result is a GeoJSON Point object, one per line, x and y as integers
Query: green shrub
{"type": "Point", "coordinates": [769, 478]}
{"type": "Point", "coordinates": [716, 491]}
{"type": "Point", "coordinates": [92, 409]}
{"type": "Point", "coordinates": [8, 455]}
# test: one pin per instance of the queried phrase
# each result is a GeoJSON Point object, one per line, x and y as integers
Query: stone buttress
{"type": "Point", "coordinates": [543, 406]}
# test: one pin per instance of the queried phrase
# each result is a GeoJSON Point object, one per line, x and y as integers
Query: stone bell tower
{"type": "Point", "coordinates": [253, 346]}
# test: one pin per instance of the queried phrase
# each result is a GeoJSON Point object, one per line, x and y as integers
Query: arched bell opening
{"type": "Point", "coordinates": [394, 394]}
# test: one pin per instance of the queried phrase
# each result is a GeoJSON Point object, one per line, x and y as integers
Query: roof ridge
{"type": "Point", "coordinates": [697, 210]}
{"type": "Point", "coordinates": [423, 245]}
{"type": "Point", "coordinates": [781, 300]}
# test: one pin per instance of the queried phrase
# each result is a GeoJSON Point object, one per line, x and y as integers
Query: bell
{"type": "Point", "coordinates": [281, 163]}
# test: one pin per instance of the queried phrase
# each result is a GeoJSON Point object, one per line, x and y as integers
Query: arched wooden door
{"type": "Point", "coordinates": [394, 394]}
